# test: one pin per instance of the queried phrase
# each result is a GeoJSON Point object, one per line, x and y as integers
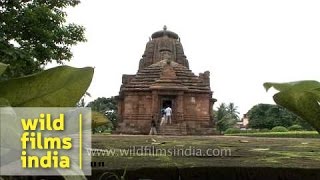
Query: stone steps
{"type": "Point", "coordinates": [172, 129]}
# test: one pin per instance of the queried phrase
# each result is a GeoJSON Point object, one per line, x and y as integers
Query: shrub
{"type": "Point", "coordinates": [251, 131]}
{"type": "Point", "coordinates": [232, 131]}
{"type": "Point", "coordinates": [279, 129]}
{"type": "Point", "coordinates": [295, 127]}
{"type": "Point", "coordinates": [255, 130]}
{"type": "Point", "coordinates": [264, 130]}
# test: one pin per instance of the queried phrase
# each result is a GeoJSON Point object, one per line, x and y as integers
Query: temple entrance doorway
{"type": "Point", "coordinates": [169, 101]}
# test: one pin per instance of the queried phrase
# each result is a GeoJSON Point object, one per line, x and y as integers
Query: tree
{"type": "Point", "coordinates": [267, 116]}
{"type": "Point", "coordinates": [221, 112]}
{"type": "Point", "coordinates": [34, 33]}
{"type": "Point", "coordinates": [226, 116]}
{"type": "Point", "coordinates": [233, 111]}
{"type": "Point", "coordinates": [257, 116]}
{"type": "Point", "coordinates": [106, 106]}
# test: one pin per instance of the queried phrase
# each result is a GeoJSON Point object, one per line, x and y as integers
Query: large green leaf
{"type": "Point", "coordinates": [301, 97]}
{"type": "Point", "coordinates": [297, 85]}
{"type": "Point", "coordinates": [61, 86]}
{"type": "Point", "coordinates": [4, 102]}
{"type": "Point", "coordinates": [3, 67]}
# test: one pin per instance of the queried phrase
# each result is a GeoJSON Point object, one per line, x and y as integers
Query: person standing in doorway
{"type": "Point", "coordinates": [163, 113]}
{"type": "Point", "coordinates": [168, 112]}
{"type": "Point", "coordinates": [163, 116]}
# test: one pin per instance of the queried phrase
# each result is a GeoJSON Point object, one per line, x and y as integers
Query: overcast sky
{"type": "Point", "coordinates": [242, 43]}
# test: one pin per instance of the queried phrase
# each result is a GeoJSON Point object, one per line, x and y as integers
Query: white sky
{"type": "Point", "coordinates": [242, 43]}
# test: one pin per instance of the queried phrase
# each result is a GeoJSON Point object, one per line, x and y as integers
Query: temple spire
{"type": "Point", "coordinates": [164, 28]}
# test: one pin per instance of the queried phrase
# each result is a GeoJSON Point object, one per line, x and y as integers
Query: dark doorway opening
{"type": "Point", "coordinates": [166, 103]}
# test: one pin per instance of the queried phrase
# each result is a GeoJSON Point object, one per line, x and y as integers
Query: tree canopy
{"type": "Point", "coordinates": [106, 106]}
{"type": "Point", "coordinates": [34, 33]}
{"type": "Point", "coordinates": [267, 116]}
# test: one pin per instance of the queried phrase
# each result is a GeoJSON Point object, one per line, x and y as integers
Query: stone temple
{"type": "Point", "coordinates": [165, 79]}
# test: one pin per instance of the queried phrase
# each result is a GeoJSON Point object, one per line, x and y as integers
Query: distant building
{"type": "Point", "coordinates": [243, 123]}
{"type": "Point", "coordinates": [164, 79]}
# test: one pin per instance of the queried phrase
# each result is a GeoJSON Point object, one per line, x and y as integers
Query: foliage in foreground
{"type": "Point", "coordinates": [61, 86]}
{"type": "Point", "coordinates": [301, 98]}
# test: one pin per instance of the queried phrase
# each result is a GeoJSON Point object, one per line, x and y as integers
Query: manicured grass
{"type": "Point", "coordinates": [289, 134]}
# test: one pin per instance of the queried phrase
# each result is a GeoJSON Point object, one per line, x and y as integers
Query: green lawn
{"type": "Point", "coordinates": [289, 134]}
{"type": "Point", "coordinates": [245, 151]}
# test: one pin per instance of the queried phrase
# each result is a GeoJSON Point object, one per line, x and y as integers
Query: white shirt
{"type": "Point", "coordinates": [168, 111]}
